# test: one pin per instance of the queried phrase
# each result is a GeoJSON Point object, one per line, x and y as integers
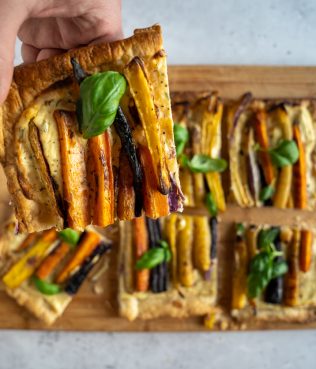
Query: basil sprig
{"type": "Point", "coordinates": [181, 137]}
{"type": "Point", "coordinates": [70, 236]}
{"type": "Point", "coordinates": [266, 193]}
{"type": "Point", "coordinates": [266, 265]}
{"type": "Point", "coordinates": [154, 256]}
{"type": "Point", "coordinates": [100, 96]}
{"type": "Point", "coordinates": [46, 288]}
{"type": "Point", "coordinates": [211, 204]}
{"type": "Point", "coordinates": [205, 164]}
{"type": "Point", "coordinates": [285, 153]}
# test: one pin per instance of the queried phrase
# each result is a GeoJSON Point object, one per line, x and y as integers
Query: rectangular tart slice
{"type": "Point", "coordinates": [198, 137]}
{"type": "Point", "coordinates": [274, 271]}
{"type": "Point", "coordinates": [168, 267]}
{"type": "Point", "coordinates": [271, 152]}
{"type": "Point", "coordinates": [43, 271]}
{"type": "Point", "coordinates": [87, 136]}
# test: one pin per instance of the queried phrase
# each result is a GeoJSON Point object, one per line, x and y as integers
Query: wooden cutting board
{"type": "Point", "coordinates": [90, 311]}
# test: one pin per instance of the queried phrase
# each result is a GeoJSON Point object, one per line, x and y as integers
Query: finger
{"type": "Point", "coordinates": [46, 53]}
{"type": "Point", "coordinates": [10, 20]}
{"type": "Point", "coordinates": [29, 53]}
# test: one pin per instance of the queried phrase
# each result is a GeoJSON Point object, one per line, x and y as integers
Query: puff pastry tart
{"type": "Point", "coordinates": [43, 271]}
{"type": "Point", "coordinates": [87, 136]}
{"type": "Point", "coordinates": [272, 152]}
{"type": "Point", "coordinates": [168, 267]}
{"type": "Point", "coordinates": [200, 115]}
{"type": "Point", "coordinates": [274, 274]}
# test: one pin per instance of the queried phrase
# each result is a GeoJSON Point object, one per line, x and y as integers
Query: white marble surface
{"type": "Point", "coordinates": [200, 31]}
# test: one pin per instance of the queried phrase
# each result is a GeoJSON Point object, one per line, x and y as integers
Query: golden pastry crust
{"type": "Point", "coordinates": [39, 305]}
{"type": "Point", "coordinates": [33, 80]}
{"type": "Point", "coordinates": [177, 302]}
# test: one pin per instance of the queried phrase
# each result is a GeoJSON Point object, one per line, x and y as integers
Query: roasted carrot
{"type": "Point", "coordinates": [284, 182]}
{"type": "Point", "coordinates": [202, 244]}
{"type": "Point", "coordinates": [299, 171]}
{"type": "Point", "coordinates": [306, 250]}
{"type": "Point", "coordinates": [184, 248]}
{"type": "Point", "coordinates": [155, 204]}
{"type": "Point", "coordinates": [28, 241]}
{"type": "Point", "coordinates": [187, 186]}
{"type": "Point", "coordinates": [261, 135]}
{"type": "Point", "coordinates": [239, 291]}
{"type": "Point", "coordinates": [75, 189]}
{"type": "Point", "coordinates": [126, 193]}
{"type": "Point", "coordinates": [141, 245]}
{"type": "Point", "coordinates": [292, 278]}
{"type": "Point", "coordinates": [27, 264]}
{"type": "Point", "coordinates": [88, 242]}
{"type": "Point", "coordinates": [170, 235]}
{"type": "Point", "coordinates": [51, 261]}
{"type": "Point", "coordinates": [251, 241]}
{"type": "Point", "coordinates": [103, 207]}
{"type": "Point", "coordinates": [300, 198]}
{"type": "Point", "coordinates": [141, 91]}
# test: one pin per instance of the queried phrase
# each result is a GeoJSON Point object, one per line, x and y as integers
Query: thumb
{"type": "Point", "coordinates": [10, 20]}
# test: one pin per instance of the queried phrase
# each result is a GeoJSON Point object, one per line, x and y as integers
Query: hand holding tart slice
{"type": "Point", "coordinates": [87, 136]}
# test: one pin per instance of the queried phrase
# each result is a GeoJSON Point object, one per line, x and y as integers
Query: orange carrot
{"type": "Point", "coordinates": [102, 208]}
{"type": "Point", "coordinates": [88, 242]}
{"type": "Point", "coordinates": [73, 171]}
{"type": "Point", "coordinates": [126, 194]}
{"type": "Point", "coordinates": [306, 250]}
{"type": "Point", "coordinates": [299, 172]}
{"type": "Point", "coordinates": [52, 260]}
{"type": "Point", "coordinates": [140, 241]}
{"type": "Point", "coordinates": [261, 134]}
{"type": "Point", "coordinates": [155, 204]}
{"type": "Point", "coordinates": [300, 199]}
{"type": "Point", "coordinates": [28, 241]}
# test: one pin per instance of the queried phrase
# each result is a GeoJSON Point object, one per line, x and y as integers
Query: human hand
{"type": "Point", "coordinates": [49, 27]}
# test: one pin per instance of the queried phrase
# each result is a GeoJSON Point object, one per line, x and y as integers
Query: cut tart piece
{"type": "Point", "coordinates": [76, 127]}
{"type": "Point", "coordinates": [198, 138]}
{"type": "Point", "coordinates": [271, 152]}
{"type": "Point", "coordinates": [167, 267]}
{"type": "Point", "coordinates": [274, 270]}
{"type": "Point", "coordinates": [43, 271]}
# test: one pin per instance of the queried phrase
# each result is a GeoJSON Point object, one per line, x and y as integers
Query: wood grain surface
{"type": "Point", "coordinates": [98, 312]}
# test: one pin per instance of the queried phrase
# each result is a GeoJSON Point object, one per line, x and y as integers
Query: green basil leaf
{"type": "Point", "coordinates": [70, 236]}
{"type": "Point", "coordinates": [260, 263]}
{"type": "Point", "coordinates": [286, 153]}
{"type": "Point", "coordinates": [267, 236]}
{"type": "Point", "coordinates": [266, 193]}
{"type": "Point", "coordinates": [211, 204]}
{"type": "Point", "coordinates": [240, 229]}
{"type": "Point", "coordinates": [279, 268]}
{"type": "Point", "coordinates": [46, 288]}
{"type": "Point", "coordinates": [256, 283]}
{"type": "Point", "coordinates": [167, 255]}
{"type": "Point", "coordinates": [163, 244]}
{"type": "Point", "coordinates": [100, 96]}
{"type": "Point", "coordinates": [183, 160]}
{"type": "Point", "coordinates": [151, 258]}
{"type": "Point", "coordinates": [181, 137]}
{"type": "Point", "coordinates": [205, 164]}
